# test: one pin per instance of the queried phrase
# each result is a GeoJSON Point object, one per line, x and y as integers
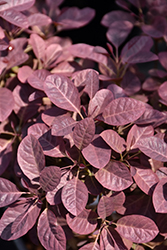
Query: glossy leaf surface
{"type": "Point", "coordinates": [50, 178]}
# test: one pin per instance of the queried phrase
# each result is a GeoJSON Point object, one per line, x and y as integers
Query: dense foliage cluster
{"type": "Point", "coordinates": [83, 134]}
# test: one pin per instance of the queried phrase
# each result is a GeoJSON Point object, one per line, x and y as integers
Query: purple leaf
{"type": "Point", "coordinates": [6, 103]}
{"type": "Point", "coordinates": [5, 158]}
{"type": "Point", "coordinates": [62, 92]}
{"type": "Point", "coordinates": [50, 178]}
{"type": "Point", "coordinates": [93, 186]}
{"type": "Point", "coordinates": [117, 15]}
{"type": "Point", "coordinates": [49, 115]}
{"type": "Point", "coordinates": [21, 216]}
{"type": "Point", "coordinates": [91, 246]}
{"type": "Point", "coordinates": [73, 18]}
{"type": "Point", "coordinates": [38, 45]}
{"type": "Point", "coordinates": [23, 73]}
{"type": "Point", "coordinates": [15, 17]}
{"type": "Point", "coordinates": [39, 19]}
{"type": "Point", "coordinates": [130, 83]}
{"type": "Point", "coordinates": [50, 234]}
{"type": "Point", "coordinates": [99, 102]}
{"type": "Point", "coordinates": [118, 199]}
{"type": "Point", "coordinates": [92, 83]}
{"type": "Point", "coordinates": [159, 196]}
{"type": "Point", "coordinates": [118, 31]}
{"type": "Point", "coordinates": [163, 59]}
{"type": "Point", "coordinates": [117, 91]}
{"type": "Point", "coordinates": [114, 176]}
{"type": "Point", "coordinates": [52, 53]}
{"type": "Point", "coordinates": [84, 132]}
{"type": "Point", "coordinates": [135, 133]}
{"type": "Point", "coordinates": [150, 84]}
{"type": "Point", "coordinates": [146, 180]}
{"type": "Point", "coordinates": [17, 5]}
{"type": "Point", "coordinates": [137, 228]}
{"type": "Point", "coordinates": [162, 91]}
{"type": "Point", "coordinates": [3, 45]}
{"type": "Point", "coordinates": [142, 57]}
{"type": "Point", "coordinates": [122, 111]}
{"type": "Point", "coordinates": [31, 158]}
{"type": "Point", "coordinates": [112, 138]}
{"type": "Point", "coordinates": [154, 148]}
{"type": "Point", "coordinates": [75, 196]}
{"type": "Point", "coordinates": [157, 28]}
{"type": "Point", "coordinates": [37, 78]}
{"type": "Point", "coordinates": [8, 192]}
{"type": "Point", "coordinates": [63, 125]}
{"type": "Point", "coordinates": [84, 223]}
{"type": "Point", "coordinates": [97, 153]}
{"type": "Point", "coordinates": [105, 207]}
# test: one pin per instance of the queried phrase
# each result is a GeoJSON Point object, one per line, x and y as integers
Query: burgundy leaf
{"type": "Point", "coordinates": [163, 59]}
{"type": "Point", "coordinates": [50, 178]}
{"type": "Point", "coordinates": [38, 129]}
{"type": "Point", "coordinates": [23, 73]}
{"type": "Point", "coordinates": [154, 148]}
{"type": "Point", "coordinates": [159, 196]}
{"type": "Point", "coordinates": [137, 228]}
{"type": "Point", "coordinates": [63, 125]}
{"type": "Point", "coordinates": [130, 83]}
{"type": "Point", "coordinates": [3, 45]}
{"type": "Point", "coordinates": [162, 91]}
{"type": "Point", "coordinates": [52, 53]}
{"type": "Point", "coordinates": [157, 73]}
{"type": "Point", "coordinates": [15, 17]}
{"type": "Point", "coordinates": [117, 91]}
{"type": "Point", "coordinates": [73, 18]}
{"type": "Point", "coordinates": [142, 57]}
{"type": "Point", "coordinates": [6, 103]}
{"type": "Point", "coordinates": [114, 176]}
{"type": "Point", "coordinates": [118, 199]}
{"type": "Point", "coordinates": [17, 5]}
{"type": "Point", "coordinates": [111, 240]}
{"type": "Point", "coordinates": [150, 84]}
{"type": "Point", "coordinates": [49, 115]}
{"type": "Point", "coordinates": [84, 132]}
{"type": "Point", "coordinates": [38, 45]}
{"type": "Point", "coordinates": [118, 31]}
{"type": "Point", "coordinates": [75, 196]}
{"type": "Point", "coordinates": [37, 94]}
{"type": "Point", "coordinates": [92, 83]}
{"type": "Point", "coordinates": [93, 186]}
{"type": "Point", "coordinates": [99, 102]}
{"type": "Point", "coordinates": [117, 15]}
{"type": "Point", "coordinates": [157, 28]}
{"type": "Point", "coordinates": [146, 180]}
{"type": "Point", "coordinates": [84, 223]}
{"type": "Point", "coordinates": [122, 111]}
{"type": "Point", "coordinates": [62, 92]}
{"type": "Point", "coordinates": [105, 207]}
{"type": "Point", "coordinates": [21, 216]}
{"type": "Point", "coordinates": [39, 19]}
{"type": "Point", "coordinates": [97, 153]}
{"type": "Point", "coordinates": [8, 192]}
{"type": "Point", "coordinates": [50, 234]}
{"type": "Point", "coordinates": [5, 158]}
{"type": "Point", "coordinates": [37, 78]}
{"type": "Point", "coordinates": [91, 246]}
{"type": "Point", "coordinates": [112, 138]}
{"type": "Point", "coordinates": [136, 133]}
{"type": "Point", "coordinates": [31, 158]}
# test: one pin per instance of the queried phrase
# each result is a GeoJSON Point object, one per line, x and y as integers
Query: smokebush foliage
{"type": "Point", "coordinates": [83, 145]}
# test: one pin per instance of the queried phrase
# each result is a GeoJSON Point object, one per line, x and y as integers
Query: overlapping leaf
{"type": "Point", "coordinates": [84, 132]}
{"type": "Point", "coordinates": [50, 178]}
{"type": "Point", "coordinates": [17, 5]}
{"type": "Point", "coordinates": [105, 207]}
{"type": "Point", "coordinates": [75, 196]}
{"type": "Point", "coordinates": [137, 228]}
{"type": "Point", "coordinates": [50, 234]}
{"type": "Point", "coordinates": [31, 158]}
{"type": "Point", "coordinates": [159, 196]}
{"type": "Point", "coordinates": [62, 92]}
{"type": "Point", "coordinates": [6, 103]}
{"type": "Point", "coordinates": [63, 125]}
{"type": "Point", "coordinates": [122, 111]}
{"type": "Point", "coordinates": [114, 176]}
{"type": "Point", "coordinates": [37, 78]}
{"type": "Point", "coordinates": [84, 223]}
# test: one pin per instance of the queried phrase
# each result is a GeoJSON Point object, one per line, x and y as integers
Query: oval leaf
{"type": "Point", "coordinates": [50, 234]}
{"type": "Point", "coordinates": [8, 192]}
{"type": "Point", "coordinates": [137, 228]}
{"type": "Point", "coordinates": [50, 178]}
{"type": "Point", "coordinates": [75, 196]}
{"type": "Point", "coordinates": [114, 176]}
{"type": "Point", "coordinates": [84, 223]}
{"type": "Point", "coordinates": [122, 111]}
{"type": "Point", "coordinates": [63, 125]}
{"type": "Point", "coordinates": [154, 148]}
{"type": "Point", "coordinates": [31, 158]}
{"type": "Point", "coordinates": [62, 92]}
{"type": "Point", "coordinates": [84, 132]}
{"type": "Point", "coordinates": [159, 196]}
{"type": "Point", "coordinates": [6, 103]}
{"type": "Point", "coordinates": [105, 207]}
